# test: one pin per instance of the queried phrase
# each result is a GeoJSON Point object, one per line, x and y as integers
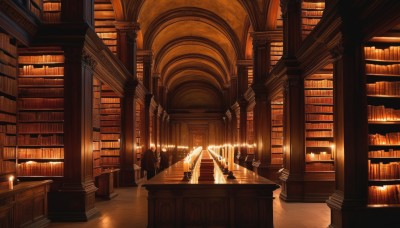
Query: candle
{"type": "Point", "coordinates": [11, 183]}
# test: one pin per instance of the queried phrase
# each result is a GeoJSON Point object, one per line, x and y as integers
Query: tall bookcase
{"type": "Point", "coordinates": [250, 131]}
{"type": "Point", "coordinates": [318, 92]}
{"type": "Point", "coordinates": [139, 131]}
{"type": "Point", "coordinates": [277, 131]}
{"type": "Point", "coordinates": [104, 18]}
{"type": "Point", "coordinates": [382, 60]}
{"type": "Point", "coordinates": [110, 128]}
{"type": "Point", "coordinates": [40, 113]}
{"type": "Point", "coordinates": [51, 11]}
{"type": "Point", "coordinates": [96, 127]}
{"type": "Point", "coordinates": [311, 12]}
{"type": "Point", "coordinates": [8, 109]}
{"type": "Point", "coordinates": [276, 53]}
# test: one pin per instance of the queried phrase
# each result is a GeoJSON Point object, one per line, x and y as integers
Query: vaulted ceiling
{"type": "Point", "coordinates": [196, 43]}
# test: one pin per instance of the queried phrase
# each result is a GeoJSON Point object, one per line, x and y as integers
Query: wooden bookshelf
{"type": "Point", "coordinates": [110, 128]}
{"type": "Point", "coordinates": [96, 127]}
{"type": "Point", "coordinates": [36, 7]}
{"type": "Point", "coordinates": [382, 67]}
{"type": "Point", "coordinates": [8, 110]}
{"type": "Point", "coordinates": [51, 11]}
{"type": "Point", "coordinates": [311, 12]}
{"type": "Point", "coordinates": [277, 131]}
{"type": "Point", "coordinates": [250, 131]}
{"type": "Point", "coordinates": [104, 18]}
{"type": "Point", "coordinates": [139, 119]}
{"type": "Point", "coordinates": [276, 53]}
{"type": "Point", "coordinates": [40, 114]}
{"type": "Point", "coordinates": [318, 93]}
{"type": "Point", "coordinates": [139, 70]}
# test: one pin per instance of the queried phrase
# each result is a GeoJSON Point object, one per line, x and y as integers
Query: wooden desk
{"type": "Point", "coordinates": [25, 205]}
{"type": "Point", "coordinates": [105, 183]}
{"type": "Point", "coordinates": [242, 202]}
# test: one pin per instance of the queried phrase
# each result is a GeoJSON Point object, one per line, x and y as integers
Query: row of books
{"type": "Point", "coordinates": [8, 140]}
{"type": "Point", "coordinates": [318, 109]}
{"type": "Point", "coordinates": [107, 35]}
{"type": "Point", "coordinates": [386, 194]}
{"type": "Point", "coordinates": [7, 167]}
{"type": "Point", "coordinates": [312, 13]}
{"type": "Point", "coordinates": [8, 128]}
{"type": "Point", "coordinates": [275, 123]}
{"type": "Point", "coordinates": [110, 100]}
{"type": "Point", "coordinates": [325, 83]}
{"type": "Point", "coordinates": [36, 59]}
{"type": "Point", "coordinates": [107, 129]}
{"type": "Point", "coordinates": [8, 105]}
{"type": "Point", "coordinates": [96, 162]}
{"type": "Point", "coordinates": [390, 53]}
{"type": "Point", "coordinates": [318, 143]}
{"type": "Point", "coordinates": [383, 171]}
{"type": "Point", "coordinates": [111, 144]}
{"type": "Point", "coordinates": [317, 134]}
{"type": "Point", "coordinates": [277, 111]}
{"type": "Point", "coordinates": [110, 136]}
{"type": "Point", "coordinates": [32, 168]}
{"type": "Point", "coordinates": [310, 21]}
{"type": "Point", "coordinates": [7, 45]}
{"type": "Point", "coordinates": [110, 111]}
{"type": "Point", "coordinates": [318, 126]}
{"type": "Point", "coordinates": [51, 6]}
{"type": "Point", "coordinates": [319, 100]}
{"type": "Point", "coordinates": [114, 152]}
{"type": "Point", "coordinates": [384, 154]}
{"type": "Point", "coordinates": [276, 134]}
{"type": "Point", "coordinates": [44, 128]}
{"type": "Point", "coordinates": [277, 161]}
{"type": "Point", "coordinates": [318, 93]}
{"type": "Point", "coordinates": [8, 86]}
{"type": "Point", "coordinates": [109, 124]}
{"type": "Point", "coordinates": [8, 70]}
{"type": "Point", "coordinates": [313, 5]}
{"type": "Point", "coordinates": [110, 160]}
{"type": "Point", "coordinates": [41, 103]}
{"type": "Point", "coordinates": [41, 92]}
{"type": "Point", "coordinates": [277, 141]}
{"type": "Point", "coordinates": [28, 70]}
{"type": "Point", "coordinates": [391, 138]}
{"type": "Point", "coordinates": [41, 116]}
{"type": "Point", "coordinates": [112, 117]}
{"type": "Point", "coordinates": [317, 166]}
{"type": "Point", "coordinates": [319, 117]}
{"type": "Point", "coordinates": [40, 140]}
{"type": "Point", "coordinates": [96, 145]}
{"type": "Point", "coordinates": [380, 113]}
{"type": "Point", "coordinates": [277, 129]}
{"type": "Point", "coordinates": [8, 152]}
{"type": "Point", "coordinates": [276, 150]}
{"type": "Point", "coordinates": [321, 156]}
{"type": "Point", "coordinates": [7, 118]}
{"type": "Point", "coordinates": [41, 153]}
{"type": "Point", "coordinates": [7, 59]}
{"type": "Point", "coordinates": [51, 16]}
{"type": "Point", "coordinates": [40, 81]}
{"type": "Point", "coordinates": [390, 69]}
{"type": "Point", "coordinates": [384, 88]}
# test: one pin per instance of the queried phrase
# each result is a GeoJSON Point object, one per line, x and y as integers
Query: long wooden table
{"type": "Point", "coordinates": [242, 202]}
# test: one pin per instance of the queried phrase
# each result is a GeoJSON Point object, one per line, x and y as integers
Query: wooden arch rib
{"type": "Point", "coordinates": [127, 10]}
{"type": "Point", "coordinates": [185, 13]}
{"type": "Point", "coordinates": [191, 39]}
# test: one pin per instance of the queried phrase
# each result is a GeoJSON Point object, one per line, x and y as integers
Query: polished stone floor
{"type": "Point", "coordinates": [129, 209]}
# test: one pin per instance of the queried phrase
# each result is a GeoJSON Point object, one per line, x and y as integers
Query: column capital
{"type": "Point", "coordinates": [244, 62]}
{"type": "Point", "coordinates": [127, 25]}
{"type": "Point", "coordinates": [267, 36]}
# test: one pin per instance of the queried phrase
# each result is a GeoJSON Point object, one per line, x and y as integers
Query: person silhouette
{"type": "Point", "coordinates": [149, 162]}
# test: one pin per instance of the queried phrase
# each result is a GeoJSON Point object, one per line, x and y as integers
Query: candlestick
{"type": "Point", "coordinates": [11, 183]}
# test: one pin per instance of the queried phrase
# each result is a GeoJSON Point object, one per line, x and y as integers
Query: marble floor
{"type": "Point", "coordinates": [129, 209]}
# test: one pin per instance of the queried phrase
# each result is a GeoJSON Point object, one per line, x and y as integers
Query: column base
{"type": "Point", "coordinates": [307, 187]}
{"type": "Point", "coordinates": [72, 205]}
